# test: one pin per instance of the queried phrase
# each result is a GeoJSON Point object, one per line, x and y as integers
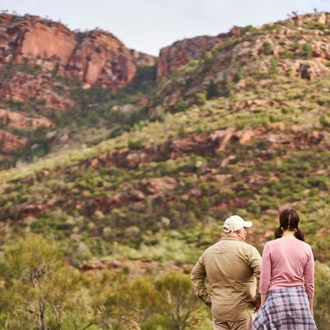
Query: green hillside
{"type": "Point", "coordinates": [138, 193]}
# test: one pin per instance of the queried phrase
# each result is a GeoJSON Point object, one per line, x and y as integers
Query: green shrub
{"type": "Point", "coordinates": [182, 130]}
{"type": "Point", "coordinates": [322, 296]}
{"type": "Point", "coordinates": [273, 69]}
{"type": "Point", "coordinates": [205, 204]}
{"type": "Point", "coordinates": [180, 106]}
{"type": "Point", "coordinates": [268, 48]}
{"type": "Point", "coordinates": [212, 90]}
{"type": "Point", "coordinates": [200, 98]}
{"type": "Point", "coordinates": [324, 122]}
{"type": "Point", "coordinates": [323, 100]}
{"type": "Point", "coordinates": [246, 29]}
{"type": "Point", "coordinates": [316, 26]}
{"type": "Point", "coordinates": [294, 46]}
{"type": "Point", "coordinates": [294, 94]}
{"type": "Point", "coordinates": [238, 75]}
{"type": "Point", "coordinates": [307, 50]}
{"type": "Point", "coordinates": [287, 54]}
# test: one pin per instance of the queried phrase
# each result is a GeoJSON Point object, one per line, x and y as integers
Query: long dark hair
{"type": "Point", "coordinates": [289, 220]}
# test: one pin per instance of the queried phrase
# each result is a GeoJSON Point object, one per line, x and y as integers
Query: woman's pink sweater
{"type": "Point", "coordinates": [287, 262]}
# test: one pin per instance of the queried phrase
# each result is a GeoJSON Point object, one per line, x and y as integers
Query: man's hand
{"type": "Point", "coordinates": [254, 302]}
{"type": "Point", "coordinates": [208, 302]}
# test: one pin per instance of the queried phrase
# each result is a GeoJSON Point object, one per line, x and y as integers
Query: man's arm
{"type": "Point", "coordinates": [255, 264]}
{"type": "Point", "coordinates": [198, 277]}
{"type": "Point", "coordinates": [266, 271]}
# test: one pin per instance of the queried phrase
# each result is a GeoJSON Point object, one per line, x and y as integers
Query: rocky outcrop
{"type": "Point", "coordinates": [319, 17]}
{"type": "Point", "coordinates": [33, 53]}
{"type": "Point", "coordinates": [286, 50]}
{"type": "Point", "coordinates": [25, 87]}
{"type": "Point", "coordinates": [11, 142]}
{"type": "Point", "coordinates": [204, 144]}
{"type": "Point", "coordinates": [100, 57]}
{"type": "Point", "coordinates": [181, 52]}
{"type": "Point", "coordinates": [201, 144]}
{"type": "Point", "coordinates": [142, 59]}
{"type": "Point", "coordinates": [22, 121]}
{"type": "Point", "coordinates": [91, 57]}
{"type": "Point", "coordinates": [29, 38]}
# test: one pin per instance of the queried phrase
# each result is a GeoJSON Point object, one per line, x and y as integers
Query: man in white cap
{"type": "Point", "coordinates": [232, 268]}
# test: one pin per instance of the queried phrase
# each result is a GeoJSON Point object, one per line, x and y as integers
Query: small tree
{"type": "Point", "coordinates": [212, 90]}
{"type": "Point", "coordinates": [41, 291]}
{"type": "Point", "coordinates": [322, 296]}
{"type": "Point", "coordinates": [268, 48]}
{"type": "Point", "coordinates": [143, 299]}
{"type": "Point", "coordinates": [180, 106]}
{"type": "Point", "coordinates": [238, 75]}
{"type": "Point", "coordinates": [307, 50]}
{"type": "Point", "coordinates": [273, 70]}
{"type": "Point", "coordinates": [178, 301]}
{"type": "Point", "coordinates": [200, 98]}
{"type": "Point", "coordinates": [224, 88]}
{"type": "Point", "coordinates": [119, 303]}
{"type": "Point", "coordinates": [205, 204]}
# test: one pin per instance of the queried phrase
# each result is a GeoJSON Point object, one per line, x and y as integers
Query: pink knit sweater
{"type": "Point", "coordinates": [287, 262]}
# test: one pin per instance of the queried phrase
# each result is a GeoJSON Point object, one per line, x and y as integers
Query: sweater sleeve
{"type": "Point", "coordinates": [309, 275]}
{"type": "Point", "coordinates": [265, 270]}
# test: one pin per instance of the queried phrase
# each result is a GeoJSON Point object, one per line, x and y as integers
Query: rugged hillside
{"type": "Point", "coordinates": [45, 69]}
{"type": "Point", "coordinates": [91, 57]}
{"type": "Point", "coordinates": [243, 129]}
{"type": "Point", "coordinates": [295, 47]}
{"type": "Point", "coordinates": [45, 72]}
{"type": "Point", "coordinates": [183, 51]}
{"type": "Point", "coordinates": [245, 135]}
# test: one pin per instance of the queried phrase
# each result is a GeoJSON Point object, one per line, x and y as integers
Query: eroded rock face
{"type": "Point", "coordinates": [21, 120]}
{"type": "Point", "coordinates": [181, 52]}
{"type": "Point", "coordinates": [11, 142]}
{"type": "Point", "coordinates": [142, 59]}
{"type": "Point", "coordinates": [91, 57]}
{"type": "Point", "coordinates": [34, 51]}
{"type": "Point", "coordinates": [24, 87]}
{"type": "Point", "coordinates": [25, 39]}
{"type": "Point", "coordinates": [100, 57]}
{"type": "Point", "coordinates": [247, 54]}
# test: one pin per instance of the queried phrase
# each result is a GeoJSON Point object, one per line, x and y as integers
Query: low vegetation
{"type": "Point", "coordinates": [142, 190]}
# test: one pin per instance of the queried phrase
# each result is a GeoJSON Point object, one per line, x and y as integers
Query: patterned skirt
{"type": "Point", "coordinates": [285, 309]}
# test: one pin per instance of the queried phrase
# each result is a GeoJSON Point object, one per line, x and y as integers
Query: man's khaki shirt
{"type": "Point", "coordinates": [232, 268]}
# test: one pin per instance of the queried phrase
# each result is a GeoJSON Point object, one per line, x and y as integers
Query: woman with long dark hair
{"type": "Point", "coordinates": [287, 279]}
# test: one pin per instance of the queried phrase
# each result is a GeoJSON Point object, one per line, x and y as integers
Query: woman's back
{"type": "Point", "coordinates": [286, 279]}
{"type": "Point", "coordinates": [287, 262]}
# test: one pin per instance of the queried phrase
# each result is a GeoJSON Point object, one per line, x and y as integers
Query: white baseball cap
{"type": "Point", "coordinates": [234, 223]}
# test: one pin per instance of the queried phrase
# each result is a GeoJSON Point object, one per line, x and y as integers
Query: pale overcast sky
{"type": "Point", "coordinates": [149, 25]}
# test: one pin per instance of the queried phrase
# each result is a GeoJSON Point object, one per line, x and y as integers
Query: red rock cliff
{"type": "Point", "coordinates": [100, 57]}
{"type": "Point", "coordinates": [92, 57]}
{"type": "Point", "coordinates": [181, 52]}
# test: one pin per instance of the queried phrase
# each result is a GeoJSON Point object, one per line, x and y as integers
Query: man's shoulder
{"type": "Point", "coordinates": [212, 247]}
{"type": "Point", "coordinates": [225, 243]}
{"type": "Point", "coordinates": [248, 245]}
{"type": "Point", "coordinates": [251, 249]}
